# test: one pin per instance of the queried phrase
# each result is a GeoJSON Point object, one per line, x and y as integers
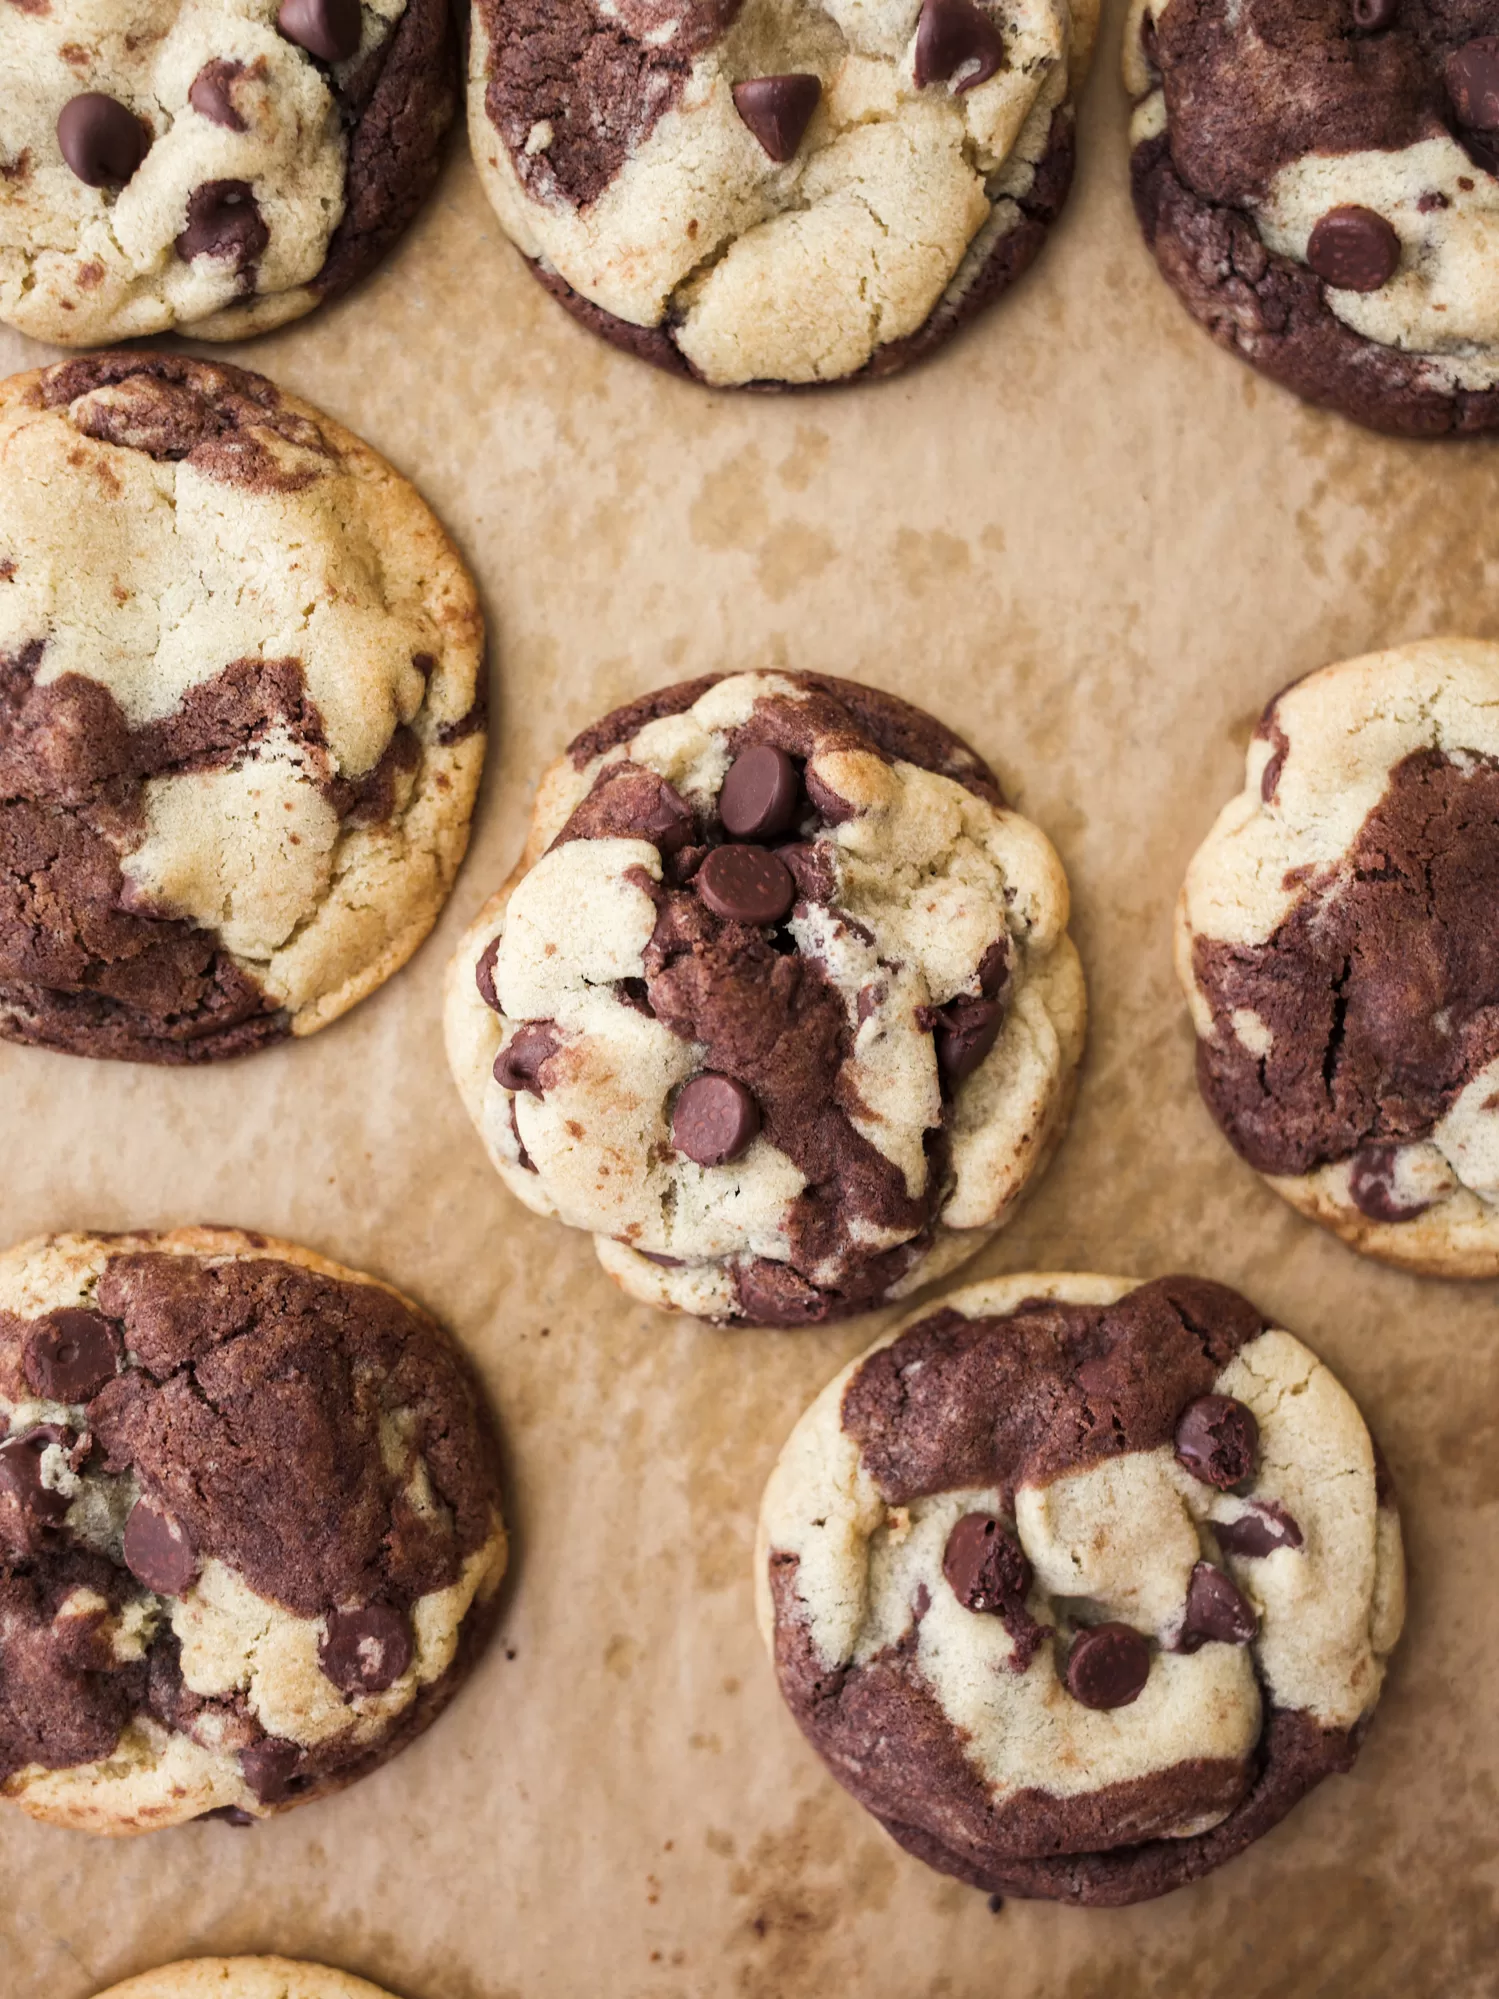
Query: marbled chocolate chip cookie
{"type": "Point", "coordinates": [1080, 1585]}
{"type": "Point", "coordinates": [250, 1533]}
{"type": "Point", "coordinates": [241, 711]}
{"type": "Point", "coordinates": [777, 191]}
{"type": "Point", "coordinates": [1337, 945]}
{"type": "Point", "coordinates": [215, 166]}
{"type": "Point", "coordinates": [1319, 181]}
{"type": "Point", "coordinates": [244, 1978]}
{"type": "Point", "coordinates": [780, 1003]}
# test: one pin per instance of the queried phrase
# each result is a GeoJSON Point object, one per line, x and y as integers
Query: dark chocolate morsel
{"type": "Point", "coordinates": [778, 110]}
{"type": "Point", "coordinates": [518, 1065]}
{"type": "Point", "coordinates": [1471, 74]}
{"type": "Point", "coordinates": [223, 220]}
{"type": "Point", "coordinates": [994, 968]}
{"type": "Point", "coordinates": [327, 28]}
{"type": "Point", "coordinates": [101, 139]}
{"type": "Point", "coordinates": [1353, 249]}
{"type": "Point", "coordinates": [1108, 1666]}
{"type": "Point", "coordinates": [1264, 1528]}
{"type": "Point", "coordinates": [1371, 1186]}
{"type": "Point", "coordinates": [484, 974]}
{"type": "Point", "coordinates": [966, 1030]}
{"type": "Point", "coordinates": [365, 1650]}
{"type": "Point", "coordinates": [70, 1355]}
{"type": "Point", "coordinates": [985, 1565]}
{"type": "Point", "coordinates": [1371, 17]}
{"type": "Point", "coordinates": [1216, 1611]}
{"type": "Point", "coordinates": [762, 794]}
{"type": "Point", "coordinates": [714, 1120]}
{"type": "Point", "coordinates": [157, 1550]}
{"type": "Point", "coordinates": [37, 1505]}
{"type": "Point", "coordinates": [668, 822]}
{"type": "Point", "coordinates": [211, 94]}
{"type": "Point", "coordinates": [1218, 1440]}
{"type": "Point", "coordinates": [267, 1767]}
{"type": "Point", "coordinates": [955, 36]}
{"type": "Point", "coordinates": [746, 885]}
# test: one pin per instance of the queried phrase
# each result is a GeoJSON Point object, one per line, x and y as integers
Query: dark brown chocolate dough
{"type": "Point", "coordinates": [778, 110]}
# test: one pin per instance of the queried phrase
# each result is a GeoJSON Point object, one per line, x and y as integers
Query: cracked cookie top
{"type": "Point", "coordinates": [241, 711]}
{"type": "Point", "coordinates": [780, 1004]}
{"type": "Point", "coordinates": [776, 190]}
{"type": "Point", "coordinates": [214, 166]}
{"type": "Point", "coordinates": [1336, 944]}
{"type": "Point", "coordinates": [249, 1526]}
{"type": "Point", "coordinates": [1079, 1585]}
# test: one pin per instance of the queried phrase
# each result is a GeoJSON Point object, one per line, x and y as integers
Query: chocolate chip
{"type": "Point", "coordinates": [267, 1768]}
{"type": "Point", "coordinates": [518, 1065]}
{"type": "Point", "coordinates": [778, 110]}
{"type": "Point", "coordinates": [1370, 17]}
{"type": "Point", "coordinates": [157, 1550]}
{"type": "Point", "coordinates": [1259, 1531]}
{"type": "Point", "coordinates": [663, 1261]}
{"type": "Point", "coordinates": [837, 811]}
{"type": "Point", "coordinates": [327, 28]}
{"type": "Point", "coordinates": [37, 1507]}
{"type": "Point", "coordinates": [223, 220]}
{"type": "Point", "coordinates": [966, 1030]}
{"type": "Point", "coordinates": [667, 822]}
{"type": "Point", "coordinates": [365, 1650]}
{"type": "Point", "coordinates": [484, 975]}
{"type": "Point", "coordinates": [1472, 77]}
{"type": "Point", "coordinates": [994, 968]}
{"type": "Point", "coordinates": [101, 139]}
{"type": "Point", "coordinates": [1215, 1610]}
{"type": "Point", "coordinates": [762, 794]}
{"type": "Point", "coordinates": [1353, 249]}
{"type": "Point", "coordinates": [211, 94]}
{"type": "Point", "coordinates": [746, 885]}
{"type": "Point", "coordinates": [715, 1120]}
{"type": "Point", "coordinates": [1107, 1666]}
{"type": "Point", "coordinates": [954, 36]}
{"type": "Point", "coordinates": [1217, 1439]}
{"type": "Point", "coordinates": [985, 1565]}
{"type": "Point", "coordinates": [70, 1355]}
{"type": "Point", "coordinates": [1371, 1186]}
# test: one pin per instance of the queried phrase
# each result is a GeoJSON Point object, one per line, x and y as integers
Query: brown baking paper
{"type": "Point", "coordinates": [1095, 545]}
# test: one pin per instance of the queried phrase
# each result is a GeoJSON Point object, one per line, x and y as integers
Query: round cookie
{"type": "Point", "coordinates": [245, 1978]}
{"type": "Point", "coordinates": [1335, 940]}
{"type": "Point", "coordinates": [217, 167]}
{"type": "Point", "coordinates": [1078, 1584]}
{"type": "Point", "coordinates": [779, 1004]}
{"type": "Point", "coordinates": [242, 711]}
{"type": "Point", "coordinates": [250, 1532]}
{"type": "Point", "coordinates": [1319, 181]}
{"type": "Point", "coordinates": [772, 191]}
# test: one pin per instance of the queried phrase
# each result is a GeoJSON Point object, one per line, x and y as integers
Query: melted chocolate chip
{"type": "Point", "coordinates": [746, 885]}
{"type": "Point", "coordinates": [778, 110]}
{"type": "Point", "coordinates": [34, 1509]}
{"type": "Point", "coordinates": [1259, 1531]}
{"type": "Point", "coordinates": [70, 1355]}
{"type": "Point", "coordinates": [1215, 1611]}
{"type": "Point", "coordinates": [985, 1565]}
{"type": "Point", "coordinates": [1217, 1439]}
{"type": "Point", "coordinates": [715, 1120]}
{"type": "Point", "coordinates": [1353, 249]}
{"type": "Point", "coordinates": [157, 1550]}
{"type": "Point", "coordinates": [1372, 17]}
{"type": "Point", "coordinates": [1471, 74]}
{"type": "Point", "coordinates": [211, 94]}
{"type": "Point", "coordinates": [101, 139]}
{"type": "Point", "coordinates": [517, 1066]}
{"type": "Point", "coordinates": [365, 1650]}
{"type": "Point", "coordinates": [484, 975]}
{"type": "Point", "coordinates": [762, 794]}
{"type": "Point", "coordinates": [1108, 1666]}
{"type": "Point", "coordinates": [330, 29]}
{"type": "Point", "coordinates": [955, 36]}
{"type": "Point", "coordinates": [994, 968]}
{"type": "Point", "coordinates": [267, 1768]}
{"type": "Point", "coordinates": [223, 220]}
{"type": "Point", "coordinates": [966, 1031]}
{"type": "Point", "coordinates": [1371, 1186]}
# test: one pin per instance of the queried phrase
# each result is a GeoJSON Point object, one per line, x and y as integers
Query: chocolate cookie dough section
{"type": "Point", "coordinates": [780, 1004]}
{"type": "Point", "coordinates": [1318, 183]}
{"type": "Point", "coordinates": [773, 191]}
{"type": "Point", "coordinates": [219, 167]}
{"type": "Point", "coordinates": [241, 712]}
{"type": "Point", "coordinates": [1079, 1585]}
{"type": "Point", "coordinates": [1335, 945]}
{"type": "Point", "coordinates": [250, 1532]}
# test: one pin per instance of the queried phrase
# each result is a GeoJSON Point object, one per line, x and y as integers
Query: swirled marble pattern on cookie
{"type": "Point", "coordinates": [1337, 945]}
{"type": "Point", "coordinates": [250, 1534]}
{"type": "Point", "coordinates": [215, 166]}
{"type": "Point", "coordinates": [1317, 179]}
{"type": "Point", "coordinates": [780, 1004]}
{"type": "Point", "coordinates": [241, 711]}
{"type": "Point", "coordinates": [776, 191]}
{"type": "Point", "coordinates": [1080, 1585]}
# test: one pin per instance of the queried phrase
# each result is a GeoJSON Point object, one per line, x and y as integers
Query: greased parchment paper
{"type": "Point", "coordinates": [1095, 545]}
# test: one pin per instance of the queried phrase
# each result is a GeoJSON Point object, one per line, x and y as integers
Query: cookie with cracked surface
{"type": "Point", "coordinates": [250, 1530]}
{"type": "Point", "coordinates": [1335, 941]}
{"type": "Point", "coordinates": [776, 192]}
{"type": "Point", "coordinates": [1079, 1584]}
{"type": "Point", "coordinates": [217, 167]}
{"type": "Point", "coordinates": [245, 1978]}
{"type": "Point", "coordinates": [779, 1004]}
{"type": "Point", "coordinates": [1319, 182]}
{"type": "Point", "coordinates": [241, 711]}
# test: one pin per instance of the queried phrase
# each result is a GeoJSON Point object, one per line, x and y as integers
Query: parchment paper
{"type": "Point", "coordinates": [1096, 545]}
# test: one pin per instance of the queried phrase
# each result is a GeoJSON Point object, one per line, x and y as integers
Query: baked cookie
{"type": "Point", "coordinates": [1078, 1584]}
{"type": "Point", "coordinates": [244, 1978]}
{"type": "Point", "coordinates": [215, 166]}
{"type": "Point", "coordinates": [779, 1004]}
{"type": "Point", "coordinates": [241, 711]}
{"type": "Point", "coordinates": [250, 1532]}
{"type": "Point", "coordinates": [1336, 941]}
{"type": "Point", "coordinates": [771, 191]}
{"type": "Point", "coordinates": [1319, 181]}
